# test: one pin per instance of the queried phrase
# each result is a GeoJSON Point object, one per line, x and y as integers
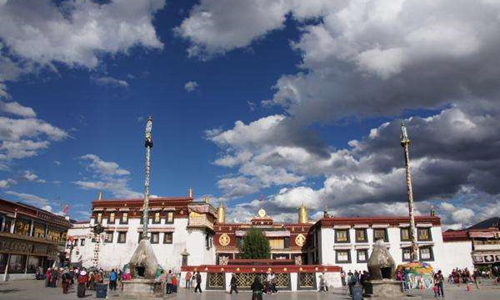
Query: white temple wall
{"type": "Point", "coordinates": [454, 255]}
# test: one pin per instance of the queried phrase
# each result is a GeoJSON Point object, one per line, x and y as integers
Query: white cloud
{"type": "Point", "coordinates": [110, 81]}
{"type": "Point", "coordinates": [6, 183]}
{"type": "Point", "coordinates": [75, 32]}
{"type": "Point", "coordinates": [106, 176]}
{"type": "Point", "coordinates": [191, 86]}
{"type": "Point", "coordinates": [31, 176]}
{"type": "Point", "coordinates": [30, 198]}
{"type": "Point", "coordinates": [17, 109]}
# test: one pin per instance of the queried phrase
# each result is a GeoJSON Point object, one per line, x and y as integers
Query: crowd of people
{"type": "Point", "coordinates": [66, 277]}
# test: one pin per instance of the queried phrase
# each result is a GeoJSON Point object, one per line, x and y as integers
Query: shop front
{"type": "Point", "coordinates": [21, 256]}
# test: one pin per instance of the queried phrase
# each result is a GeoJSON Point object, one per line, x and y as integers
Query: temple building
{"type": "Point", "coordinates": [29, 237]}
{"type": "Point", "coordinates": [191, 236]}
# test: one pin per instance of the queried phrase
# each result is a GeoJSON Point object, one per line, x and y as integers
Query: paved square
{"type": "Point", "coordinates": [31, 290]}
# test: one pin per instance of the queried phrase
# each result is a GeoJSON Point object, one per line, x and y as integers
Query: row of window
{"type": "Point", "coordinates": [26, 227]}
{"type": "Point", "coordinates": [154, 237]}
{"type": "Point", "coordinates": [344, 256]}
{"type": "Point", "coordinates": [343, 236]}
{"type": "Point", "coordinates": [20, 263]}
{"type": "Point", "coordinates": [155, 219]}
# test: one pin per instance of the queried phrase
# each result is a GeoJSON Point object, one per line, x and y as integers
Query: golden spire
{"type": "Point", "coordinates": [190, 193]}
{"type": "Point", "coordinates": [221, 213]}
{"type": "Point", "coordinates": [303, 214]}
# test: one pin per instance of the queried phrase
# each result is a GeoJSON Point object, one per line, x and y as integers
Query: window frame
{"type": "Point", "coordinates": [121, 233]}
{"type": "Point", "coordinates": [107, 235]}
{"type": "Point", "coordinates": [82, 242]}
{"type": "Point", "coordinates": [171, 234]}
{"type": "Point", "coordinates": [431, 252]}
{"type": "Point", "coordinates": [111, 214]}
{"type": "Point", "coordinates": [386, 235]}
{"type": "Point", "coordinates": [365, 233]}
{"type": "Point", "coordinates": [347, 241]}
{"type": "Point", "coordinates": [153, 221]}
{"type": "Point", "coordinates": [403, 250]}
{"type": "Point", "coordinates": [125, 213]}
{"type": "Point", "coordinates": [357, 255]}
{"type": "Point", "coordinates": [167, 219]}
{"type": "Point", "coordinates": [401, 234]}
{"type": "Point", "coordinates": [157, 234]}
{"type": "Point", "coordinates": [428, 229]}
{"type": "Point", "coordinates": [349, 259]}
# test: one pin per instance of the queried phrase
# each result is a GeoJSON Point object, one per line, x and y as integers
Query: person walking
{"type": "Point", "coordinates": [274, 283]}
{"type": "Point", "coordinates": [65, 281]}
{"type": "Point", "coordinates": [113, 277]}
{"type": "Point", "coordinates": [233, 284]}
{"type": "Point", "coordinates": [342, 278]}
{"type": "Point", "coordinates": [169, 282]}
{"type": "Point", "coordinates": [439, 279]}
{"type": "Point", "coordinates": [198, 282]}
{"type": "Point", "coordinates": [82, 283]}
{"type": "Point", "coordinates": [188, 277]}
{"type": "Point", "coordinates": [257, 288]}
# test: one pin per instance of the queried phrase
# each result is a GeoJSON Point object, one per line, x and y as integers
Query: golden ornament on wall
{"type": "Point", "coordinates": [224, 240]}
{"type": "Point", "coordinates": [300, 240]}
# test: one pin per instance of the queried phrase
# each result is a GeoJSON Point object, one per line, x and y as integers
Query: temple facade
{"type": "Point", "coordinates": [194, 236]}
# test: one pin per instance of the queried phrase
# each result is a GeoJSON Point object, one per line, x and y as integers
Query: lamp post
{"type": "Point", "coordinates": [405, 143]}
{"type": "Point", "coordinates": [148, 144]}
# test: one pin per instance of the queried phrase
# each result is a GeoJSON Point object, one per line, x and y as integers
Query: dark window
{"type": "Point", "coordinates": [362, 255]}
{"type": "Point", "coordinates": [424, 234]}
{"type": "Point", "coordinates": [361, 236]}
{"type": "Point", "coordinates": [287, 242]}
{"type": "Point", "coordinates": [8, 225]}
{"type": "Point", "coordinates": [170, 217]}
{"type": "Point", "coordinates": [33, 263]}
{"type": "Point", "coordinates": [426, 254]}
{"type": "Point", "coordinates": [342, 236]}
{"type": "Point", "coordinates": [405, 234]}
{"type": "Point", "coordinates": [17, 263]}
{"type": "Point", "coordinates": [124, 218]}
{"type": "Point", "coordinates": [406, 254]}
{"type": "Point", "coordinates": [155, 238]}
{"type": "Point", "coordinates": [82, 242]}
{"type": "Point", "coordinates": [168, 238]}
{"type": "Point", "coordinates": [122, 237]}
{"type": "Point", "coordinates": [343, 256]}
{"type": "Point", "coordinates": [108, 238]}
{"type": "Point", "coordinates": [380, 234]}
{"type": "Point", "coordinates": [140, 237]}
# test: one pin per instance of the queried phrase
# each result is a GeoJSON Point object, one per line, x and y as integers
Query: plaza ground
{"type": "Point", "coordinates": [35, 290]}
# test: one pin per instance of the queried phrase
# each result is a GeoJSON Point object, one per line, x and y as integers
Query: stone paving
{"type": "Point", "coordinates": [34, 290]}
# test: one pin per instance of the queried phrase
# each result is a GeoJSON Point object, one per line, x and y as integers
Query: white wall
{"type": "Point", "coordinates": [116, 255]}
{"type": "Point", "coordinates": [454, 255]}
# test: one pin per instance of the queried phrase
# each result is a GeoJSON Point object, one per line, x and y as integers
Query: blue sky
{"type": "Point", "coordinates": [298, 102]}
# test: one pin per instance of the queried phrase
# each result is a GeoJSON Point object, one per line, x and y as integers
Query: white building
{"type": "Point", "coordinates": [180, 229]}
{"type": "Point", "coordinates": [347, 242]}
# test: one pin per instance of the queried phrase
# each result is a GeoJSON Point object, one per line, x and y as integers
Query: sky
{"type": "Point", "coordinates": [256, 103]}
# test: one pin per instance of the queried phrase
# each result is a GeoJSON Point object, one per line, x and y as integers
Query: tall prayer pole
{"type": "Point", "coordinates": [405, 143]}
{"type": "Point", "coordinates": [148, 144]}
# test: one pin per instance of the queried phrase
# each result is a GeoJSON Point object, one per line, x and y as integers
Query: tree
{"type": "Point", "coordinates": [255, 245]}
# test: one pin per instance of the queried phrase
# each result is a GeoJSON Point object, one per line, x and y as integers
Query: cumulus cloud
{"type": "Point", "coordinates": [28, 175]}
{"type": "Point", "coordinates": [17, 109]}
{"type": "Point", "coordinates": [106, 176]}
{"type": "Point", "coordinates": [191, 86]}
{"type": "Point", "coordinates": [6, 183]}
{"type": "Point", "coordinates": [110, 82]}
{"type": "Point", "coordinates": [75, 32]}
{"type": "Point", "coordinates": [24, 135]}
